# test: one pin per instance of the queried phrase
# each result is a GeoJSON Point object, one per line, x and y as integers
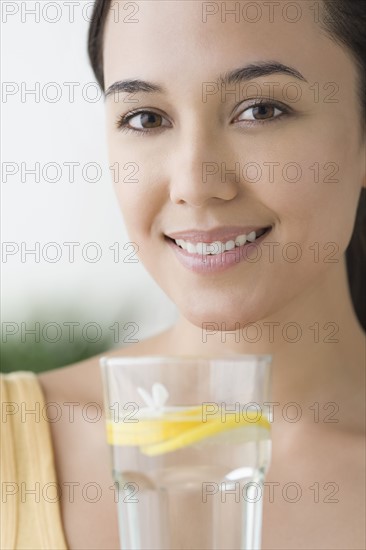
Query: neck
{"type": "Point", "coordinates": [316, 342]}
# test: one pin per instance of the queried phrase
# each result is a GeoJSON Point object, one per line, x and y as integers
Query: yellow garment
{"type": "Point", "coordinates": [28, 520]}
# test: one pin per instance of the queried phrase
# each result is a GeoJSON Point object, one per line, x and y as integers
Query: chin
{"type": "Point", "coordinates": [219, 316]}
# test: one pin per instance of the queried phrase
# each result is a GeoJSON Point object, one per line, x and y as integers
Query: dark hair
{"type": "Point", "coordinates": [344, 22]}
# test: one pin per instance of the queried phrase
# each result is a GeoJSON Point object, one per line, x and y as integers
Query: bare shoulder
{"type": "Point", "coordinates": [82, 380]}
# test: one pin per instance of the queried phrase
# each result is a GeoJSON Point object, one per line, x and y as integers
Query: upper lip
{"type": "Point", "coordinates": [223, 234]}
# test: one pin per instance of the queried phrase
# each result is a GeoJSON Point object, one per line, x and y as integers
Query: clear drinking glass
{"type": "Point", "coordinates": [190, 446]}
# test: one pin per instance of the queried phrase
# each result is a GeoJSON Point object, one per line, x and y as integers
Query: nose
{"type": "Point", "coordinates": [202, 169]}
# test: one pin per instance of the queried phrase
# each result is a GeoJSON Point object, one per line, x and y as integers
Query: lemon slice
{"type": "Point", "coordinates": [175, 430]}
{"type": "Point", "coordinates": [149, 429]}
{"type": "Point", "coordinates": [206, 430]}
{"type": "Point", "coordinates": [146, 432]}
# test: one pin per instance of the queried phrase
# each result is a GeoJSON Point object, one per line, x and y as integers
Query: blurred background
{"type": "Point", "coordinates": [62, 302]}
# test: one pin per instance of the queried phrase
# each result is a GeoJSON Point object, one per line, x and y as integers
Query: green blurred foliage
{"type": "Point", "coordinates": [32, 353]}
{"type": "Point", "coordinates": [42, 356]}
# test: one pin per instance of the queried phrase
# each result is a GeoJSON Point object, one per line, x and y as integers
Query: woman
{"type": "Point", "coordinates": [253, 140]}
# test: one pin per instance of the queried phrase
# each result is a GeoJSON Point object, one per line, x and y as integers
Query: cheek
{"type": "Point", "coordinates": [314, 187]}
{"type": "Point", "coordinates": [138, 195]}
{"type": "Point", "coordinates": [139, 209]}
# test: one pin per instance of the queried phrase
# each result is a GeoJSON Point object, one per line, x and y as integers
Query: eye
{"type": "Point", "coordinates": [261, 112]}
{"type": "Point", "coordinates": [141, 122]}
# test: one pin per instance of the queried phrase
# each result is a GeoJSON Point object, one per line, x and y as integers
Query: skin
{"type": "Point", "coordinates": [170, 196]}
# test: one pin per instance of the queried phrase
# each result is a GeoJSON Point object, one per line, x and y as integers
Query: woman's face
{"type": "Point", "coordinates": [204, 158]}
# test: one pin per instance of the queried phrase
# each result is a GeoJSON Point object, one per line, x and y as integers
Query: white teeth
{"type": "Point", "coordinates": [242, 239]}
{"type": "Point", "coordinates": [251, 237]}
{"type": "Point", "coordinates": [191, 248]}
{"type": "Point", "coordinates": [216, 247]}
{"type": "Point", "coordinates": [229, 245]}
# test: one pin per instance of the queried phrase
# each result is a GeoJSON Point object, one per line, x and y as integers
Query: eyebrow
{"type": "Point", "coordinates": [235, 76]}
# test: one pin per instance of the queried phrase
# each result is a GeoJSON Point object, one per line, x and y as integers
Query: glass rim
{"type": "Point", "coordinates": [145, 359]}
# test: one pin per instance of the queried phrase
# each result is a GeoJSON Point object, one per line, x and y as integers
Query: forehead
{"type": "Point", "coordinates": [183, 41]}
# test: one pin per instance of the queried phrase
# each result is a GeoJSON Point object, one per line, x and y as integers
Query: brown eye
{"type": "Point", "coordinates": [150, 120]}
{"type": "Point", "coordinates": [142, 121]}
{"type": "Point", "coordinates": [261, 112]}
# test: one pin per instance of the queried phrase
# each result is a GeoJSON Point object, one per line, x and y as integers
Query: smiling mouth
{"type": "Point", "coordinates": [218, 247]}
